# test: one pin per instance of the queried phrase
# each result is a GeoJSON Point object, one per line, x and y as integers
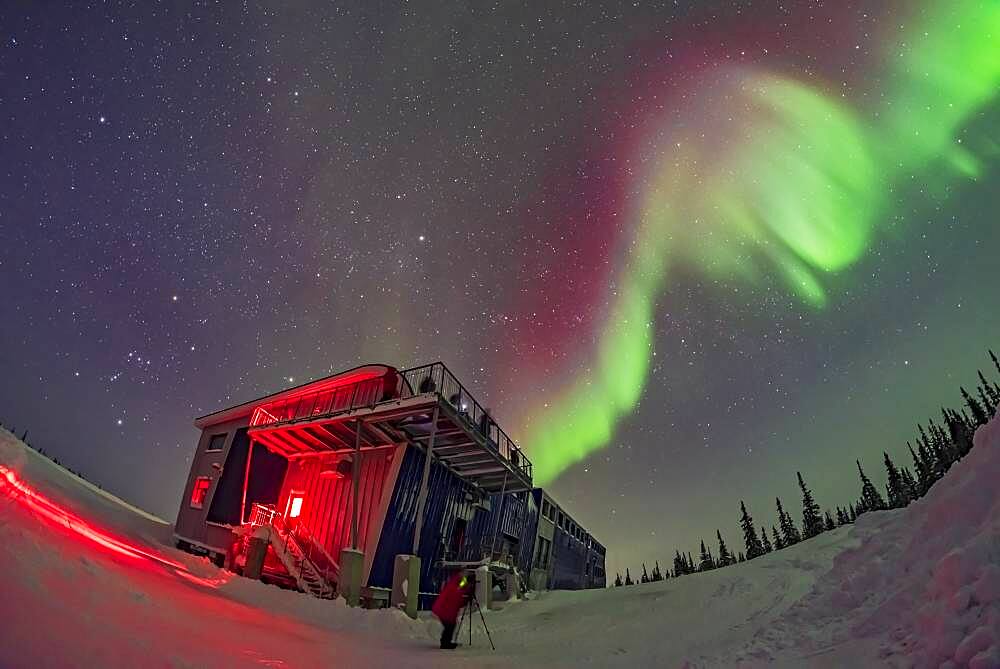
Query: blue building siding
{"type": "Point", "coordinates": [446, 499]}
{"type": "Point", "coordinates": [508, 526]}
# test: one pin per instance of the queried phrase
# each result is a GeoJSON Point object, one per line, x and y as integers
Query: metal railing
{"type": "Point", "coordinates": [300, 547]}
{"type": "Point", "coordinates": [437, 378]}
{"type": "Point", "coordinates": [434, 378]}
{"type": "Point", "coordinates": [365, 393]}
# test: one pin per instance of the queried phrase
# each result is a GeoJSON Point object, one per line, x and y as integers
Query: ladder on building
{"type": "Point", "coordinates": [314, 571]}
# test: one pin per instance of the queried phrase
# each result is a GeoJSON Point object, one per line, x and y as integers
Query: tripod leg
{"type": "Point", "coordinates": [483, 618]}
{"type": "Point", "coordinates": [458, 630]}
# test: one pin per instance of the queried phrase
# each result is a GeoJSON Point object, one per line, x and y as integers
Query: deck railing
{"type": "Point", "coordinates": [434, 378]}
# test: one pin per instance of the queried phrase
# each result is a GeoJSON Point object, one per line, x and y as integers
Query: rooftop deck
{"type": "Point", "coordinates": [364, 413]}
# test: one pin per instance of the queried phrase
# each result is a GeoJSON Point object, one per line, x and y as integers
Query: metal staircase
{"type": "Point", "coordinates": [314, 571]}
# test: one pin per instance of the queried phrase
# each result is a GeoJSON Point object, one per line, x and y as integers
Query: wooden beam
{"type": "Point", "coordinates": [481, 470]}
{"type": "Point", "coordinates": [462, 447]}
{"type": "Point", "coordinates": [272, 445]}
{"type": "Point", "coordinates": [440, 434]}
{"type": "Point", "coordinates": [383, 437]}
{"type": "Point", "coordinates": [311, 439]}
{"type": "Point", "coordinates": [465, 459]}
{"type": "Point", "coordinates": [341, 443]}
{"type": "Point", "coordinates": [294, 439]}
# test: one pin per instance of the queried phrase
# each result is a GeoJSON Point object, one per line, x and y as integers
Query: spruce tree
{"type": "Point", "coordinates": [753, 545]}
{"type": "Point", "coordinates": [989, 388]}
{"type": "Point", "coordinates": [742, 558]}
{"type": "Point", "coordinates": [895, 489]}
{"type": "Point", "coordinates": [961, 437]}
{"type": "Point", "coordinates": [779, 543]}
{"type": "Point", "coordinates": [854, 514]}
{"type": "Point", "coordinates": [690, 563]}
{"type": "Point", "coordinates": [657, 574]}
{"type": "Point", "coordinates": [910, 484]}
{"type": "Point", "coordinates": [706, 562]}
{"type": "Point", "coordinates": [935, 452]}
{"type": "Point", "coordinates": [871, 499]}
{"type": "Point", "coordinates": [679, 567]}
{"type": "Point", "coordinates": [628, 577]}
{"type": "Point", "coordinates": [828, 523]}
{"type": "Point", "coordinates": [978, 412]}
{"type": "Point", "coordinates": [841, 517]}
{"type": "Point", "coordinates": [789, 533]}
{"type": "Point", "coordinates": [725, 557]}
{"type": "Point", "coordinates": [618, 580]}
{"type": "Point", "coordinates": [645, 575]}
{"type": "Point", "coordinates": [764, 541]}
{"type": "Point", "coordinates": [988, 395]}
{"type": "Point", "coordinates": [812, 521]}
{"type": "Point", "coordinates": [925, 472]}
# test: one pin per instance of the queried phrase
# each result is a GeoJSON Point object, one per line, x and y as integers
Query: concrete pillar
{"type": "Point", "coordinates": [512, 585]}
{"type": "Point", "coordinates": [351, 566]}
{"type": "Point", "coordinates": [484, 586]}
{"type": "Point", "coordinates": [256, 552]}
{"type": "Point", "coordinates": [405, 584]}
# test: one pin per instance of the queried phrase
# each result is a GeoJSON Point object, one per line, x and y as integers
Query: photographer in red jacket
{"type": "Point", "coordinates": [455, 594]}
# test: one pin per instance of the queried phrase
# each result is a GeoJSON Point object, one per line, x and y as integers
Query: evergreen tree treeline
{"type": "Point", "coordinates": [933, 451]}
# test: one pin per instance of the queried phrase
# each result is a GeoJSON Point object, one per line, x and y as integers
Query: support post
{"type": "Point", "coordinates": [503, 509]}
{"type": "Point", "coordinates": [422, 497]}
{"type": "Point", "coordinates": [355, 476]}
{"type": "Point", "coordinates": [246, 483]}
{"type": "Point", "coordinates": [351, 559]}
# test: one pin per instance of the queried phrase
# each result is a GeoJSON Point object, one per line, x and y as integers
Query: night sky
{"type": "Point", "coordinates": [682, 250]}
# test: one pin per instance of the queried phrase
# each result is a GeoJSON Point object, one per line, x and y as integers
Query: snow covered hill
{"type": "Point", "coordinates": [90, 581]}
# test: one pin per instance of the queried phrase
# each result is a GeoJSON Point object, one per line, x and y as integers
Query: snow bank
{"type": "Point", "coordinates": [73, 598]}
{"type": "Point", "coordinates": [922, 583]}
{"type": "Point", "coordinates": [917, 587]}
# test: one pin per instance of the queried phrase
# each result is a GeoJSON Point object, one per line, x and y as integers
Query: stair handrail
{"type": "Point", "coordinates": [291, 554]}
{"type": "Point", "coordinates": [302, 532]}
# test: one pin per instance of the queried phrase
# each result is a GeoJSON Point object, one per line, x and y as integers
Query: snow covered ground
{"type": "Point", "coordinates": [89, 581]}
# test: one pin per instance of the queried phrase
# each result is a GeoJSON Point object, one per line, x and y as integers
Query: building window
{"type": "Point", "coordinates": [542, 559]}
{"type": "Point", "coordinates": [216, 443]}
{"type": "Point", "coordinates": [457, 537]}
{"type": "Point", "coordinates": [294, 509]}
{"type": "Point", "coordinates": [200, 491]}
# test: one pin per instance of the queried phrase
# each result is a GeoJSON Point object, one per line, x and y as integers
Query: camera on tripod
{"type": "Point", "coordinates": [468, 584]}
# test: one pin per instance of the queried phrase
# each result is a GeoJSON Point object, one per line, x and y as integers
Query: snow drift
{"type": "Point", "coordinates": [924, 580]}
{"type": "Point", "coordinates": [916, 587]}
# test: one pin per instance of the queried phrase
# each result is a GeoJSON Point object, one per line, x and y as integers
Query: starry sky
{"type": "Point", "coordinates": [682, 249]}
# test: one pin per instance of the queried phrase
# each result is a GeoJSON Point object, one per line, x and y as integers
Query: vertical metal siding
{"type": "Point", "coordinates": [446, 500]}
{"type": "Point", "coordinates": [328, 501]}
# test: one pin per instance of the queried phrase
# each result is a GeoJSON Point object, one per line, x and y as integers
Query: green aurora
{"type": "Point", "coordinates": [799, 192]}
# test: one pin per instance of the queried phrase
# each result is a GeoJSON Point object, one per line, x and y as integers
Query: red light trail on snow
{"type": "Point", "coordinates": [54, 513]}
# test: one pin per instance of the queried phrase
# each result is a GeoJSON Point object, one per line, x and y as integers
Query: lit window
{"type": "Point", "coordinates": [200, 491]}
{"type": "Point", "coordinates": [296, 508]}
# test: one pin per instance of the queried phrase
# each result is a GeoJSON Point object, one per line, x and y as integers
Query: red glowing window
{"type": "Point", "coordinates": [294, 509]}
{"type": "Point", "coordinates": [200, 492]}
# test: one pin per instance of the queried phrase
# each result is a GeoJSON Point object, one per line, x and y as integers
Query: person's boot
{"type": "Point", "coordinates": [449, 645]}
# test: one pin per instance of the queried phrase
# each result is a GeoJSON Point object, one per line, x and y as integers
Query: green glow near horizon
{"type": "Point", "coordinates": [797, 192]}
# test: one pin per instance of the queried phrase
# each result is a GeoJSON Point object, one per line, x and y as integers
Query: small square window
{"type": "Point", "coordinates": [200, 491]}
{"type": "Point", "coordinates": [216, 443]}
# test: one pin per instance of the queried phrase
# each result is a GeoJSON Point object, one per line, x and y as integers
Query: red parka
{"type": "Point", "coordinates": [452, 598]}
